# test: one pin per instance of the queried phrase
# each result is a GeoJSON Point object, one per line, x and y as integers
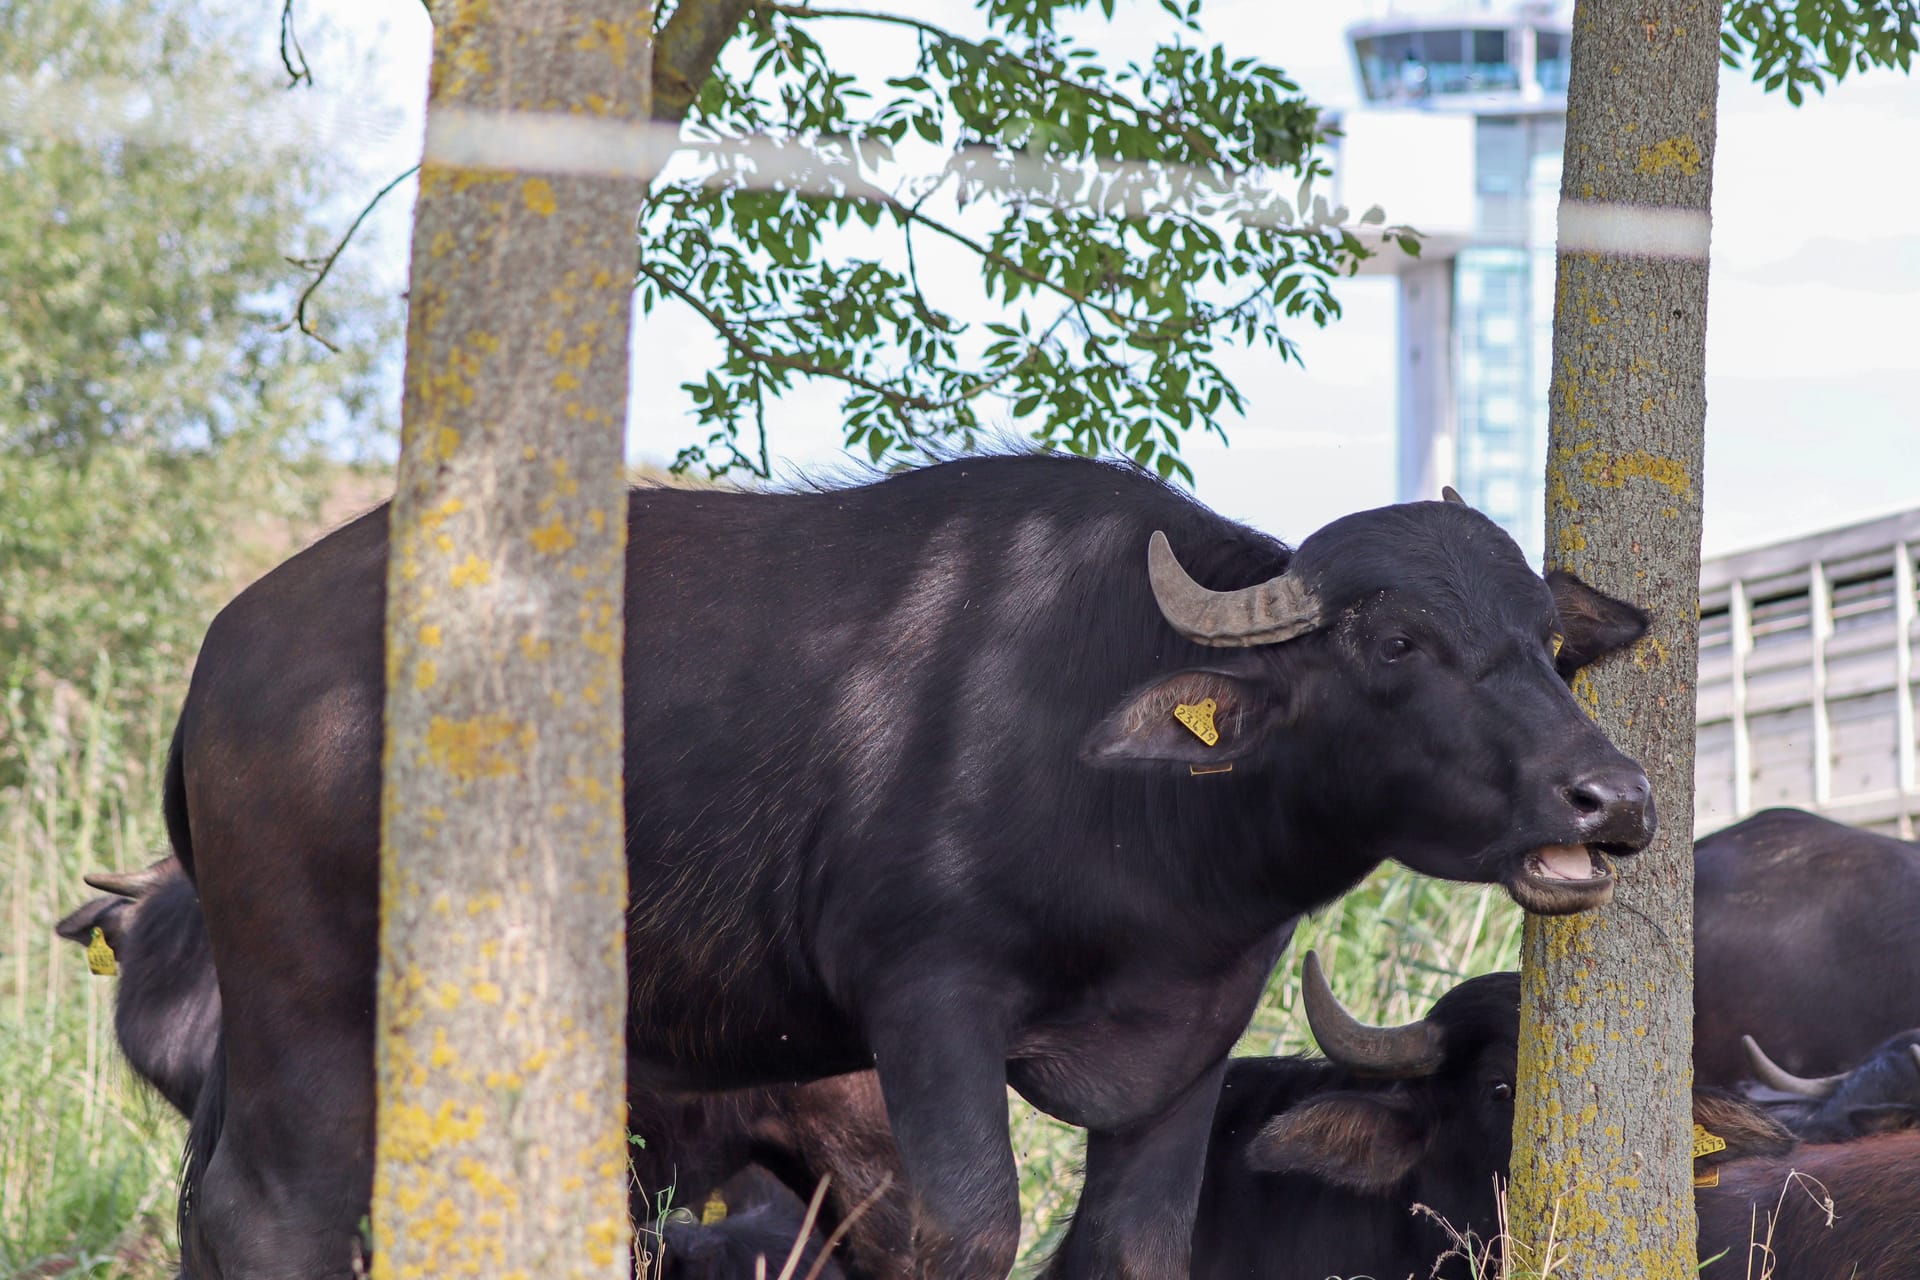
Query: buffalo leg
{"type": "Point", "coordinates": [944, 1079]}
{"type": "Point", "coordinates": [1135, 1220]}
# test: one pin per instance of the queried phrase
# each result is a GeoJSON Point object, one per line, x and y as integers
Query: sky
{"type": "Point", "coordinates": [1813, 347]}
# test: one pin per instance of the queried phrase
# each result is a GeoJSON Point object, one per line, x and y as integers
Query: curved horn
{"type": "Point", "coordinates": [128, 884]}
{"type": "Point", "coordinates": [1396, 1053]}
{"type": "Point", "coordinates": [1914, 1049]}
{"type": "Point", "coordinates": [1275, 610]}
{"type": "Point", "coordinates": [1450, 494]}
{"type": "Point", "coordinates": [1774, 1076]}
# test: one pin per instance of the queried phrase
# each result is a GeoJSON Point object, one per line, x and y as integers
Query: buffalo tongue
{"type": "Point", "coordinates": [1564, 862]}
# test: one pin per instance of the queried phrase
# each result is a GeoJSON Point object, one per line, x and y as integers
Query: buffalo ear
{"type": "Point", "coordinates": [77, 925]}
{"type": "Point", "coordinates": [1592, 623]}
{"type": "Point", "coordinates": [1144, 728]}
{"type": "Point", "coordinates": [1884, 1117]}
{"type": "Point", "coordinates": [1361, 1141]}
{"type": "Point", "coordinates": [1748, 1129]}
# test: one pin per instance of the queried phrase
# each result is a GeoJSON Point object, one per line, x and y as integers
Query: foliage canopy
{"type": "Point", "coordinates": [1105, 287]}
{"type": "Point", "coordinates": [151, 411]}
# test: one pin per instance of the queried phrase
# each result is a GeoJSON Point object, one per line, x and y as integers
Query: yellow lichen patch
{"type": "Point", "coordinates": [425, 674]}
{"type": "Point", "coordinates": [1674, 153]}
{"type": "Point", "coordinates": [538, 195]}
{"type": "Point", "coordinates": [553, 538]}
{"type": "Point", "coordinates": [430, 635]}
{"type": "Point", "coordinates": [618, 39]}
{"type": "Point", "coordinates": [443, 1054]}
{"type": "Point", "coordinates": [486, 992]}
{"type": "Point", "coordinates": [435, 518]}
{"type": "Point", "coordinates": [409, 1135]}
{"type": "Point", "coordinates": [486, 1184]}
{"type": "Point", "coordinates": [1610, 471]}
{"type": "Point", "coordinates": [473, 571]}
{"type": "Point", "coordinates": [479, 747]}
{"type": "Point", "coordinates": [534, 649]}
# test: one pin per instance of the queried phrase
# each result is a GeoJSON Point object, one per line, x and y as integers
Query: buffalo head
{"type": "Point", "coordinates": [1404, 684]}
{"type": "Point", "coordinates": [1432, 1114]}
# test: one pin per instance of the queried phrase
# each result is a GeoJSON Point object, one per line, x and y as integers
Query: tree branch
{"type": "Point", "coordinates": [321, 266]}
{"type": "Point", "coordinates": [1140, 112]}
{"type": "Point", "coordinates": [813, 368]}
{"type": "Point", "coordinates": [685, 49]}
{"type": "Point", "coordinates": [782, 359]}
{"type": "Point", "coordinates": [290, 38]}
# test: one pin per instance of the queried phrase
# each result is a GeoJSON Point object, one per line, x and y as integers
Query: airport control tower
{"type": "Point", "coordinates": [1459, 134]}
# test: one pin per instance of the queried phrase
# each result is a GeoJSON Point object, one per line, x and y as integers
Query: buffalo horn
{"type": "Point", "coordinates": [128, 884]}
{"type": "Point", "coordinates": [1914, 1049]}
{"type": "Point", "coordinates": [1450, 494]}
{"type": "Point", "coordinates": [1395, 1053]}
{"type": "Point", "coordinates": [1275, 610]}
{"type": "Point", "coordinates": [1774, 1076]}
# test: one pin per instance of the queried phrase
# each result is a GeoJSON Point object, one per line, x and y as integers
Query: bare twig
{"type": "Point", "coordinates": [806, 1228]}
{"type": "Point", "coordinates": [321, 266]}
{"type": "Point", "coordinates": [296, 63]}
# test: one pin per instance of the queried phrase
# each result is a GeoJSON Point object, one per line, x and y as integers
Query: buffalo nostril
{"type": "Point", "coordinates": [1586, 797]}
{"type": "Point", "coordinates": [1610, 797]}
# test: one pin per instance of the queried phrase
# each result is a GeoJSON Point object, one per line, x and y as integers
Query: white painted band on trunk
{"type": "Point", "coordinates": [543, 142]}
{"type": "Point", "coordinates": [1634, 231]}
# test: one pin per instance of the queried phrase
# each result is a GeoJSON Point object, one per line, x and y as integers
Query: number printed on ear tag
{"type": "Point", "coordinates": [1199, 719]}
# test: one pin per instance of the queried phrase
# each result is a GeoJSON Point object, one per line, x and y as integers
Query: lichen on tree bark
{"type": "Point", "coordinates": [501, 1145]}
{"type": "Point", "coordinates": [1602, 1122]}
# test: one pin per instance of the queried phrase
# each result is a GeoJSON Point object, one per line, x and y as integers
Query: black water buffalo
{"type": "Point", "coordinates": [1879, 1095]}
{"type": "Point", "coordinates": [1844, 1211]}
{"type": "Point", "coordinates": [761, 1224]}
{"type": "Point", "coordinates": [1316, 1164]}
{"type": "Point", "coordinates": [1782, 900]}
{"type": "Point", "coordinates": [907, 788]}
{"type": "Point", "coordinates": [1317, 1167]}
{"type": "Point", "coordinates": [166, 1011]}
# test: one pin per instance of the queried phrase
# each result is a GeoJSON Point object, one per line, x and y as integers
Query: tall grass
{"type": "Point", "coordinates": [87, 1154]}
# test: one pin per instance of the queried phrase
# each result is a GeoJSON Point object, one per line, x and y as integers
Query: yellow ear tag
{"type": "Point", "coordinates": [1199, 719]}
{"type": "Point", "coordinates": [100, 955]}
{"type": "Point", "coordinates": [714, 1210]}
{"type": "Point", "coordinates": [1711, 1178]}
{"type": "Point", "coordinates": [1559, 643]}
{"type": "Point", "coordinates": [1705, 1144]}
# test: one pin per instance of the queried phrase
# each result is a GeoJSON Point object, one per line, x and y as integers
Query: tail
{"type": "Point", "coordinates": [210, 1109]}
{"type": "Point", "coordinates": [203, 1135]}
{"type": "Point", "coordinates": [173, 799]}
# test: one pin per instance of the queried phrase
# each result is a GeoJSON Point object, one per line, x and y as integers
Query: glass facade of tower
{"type": "Point", "coordinates": [1503, 322]}
{"type": "Point", "coordinates": [1482, 426]}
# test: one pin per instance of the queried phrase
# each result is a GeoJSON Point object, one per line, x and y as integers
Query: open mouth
{"type": "Point", "coordinates": [1560, 879]}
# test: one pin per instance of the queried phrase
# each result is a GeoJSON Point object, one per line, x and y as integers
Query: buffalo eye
{"type": "Point", "coordinates": [1394, 648]}
{"type": "Point", "coordinates": [1502, 1092]}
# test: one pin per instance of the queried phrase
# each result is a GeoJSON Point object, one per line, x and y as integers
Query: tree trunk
{"type": "Point", "coordinates": [1602, 1126]}
{"type": "Point", "coordinates": [502, 1145]}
